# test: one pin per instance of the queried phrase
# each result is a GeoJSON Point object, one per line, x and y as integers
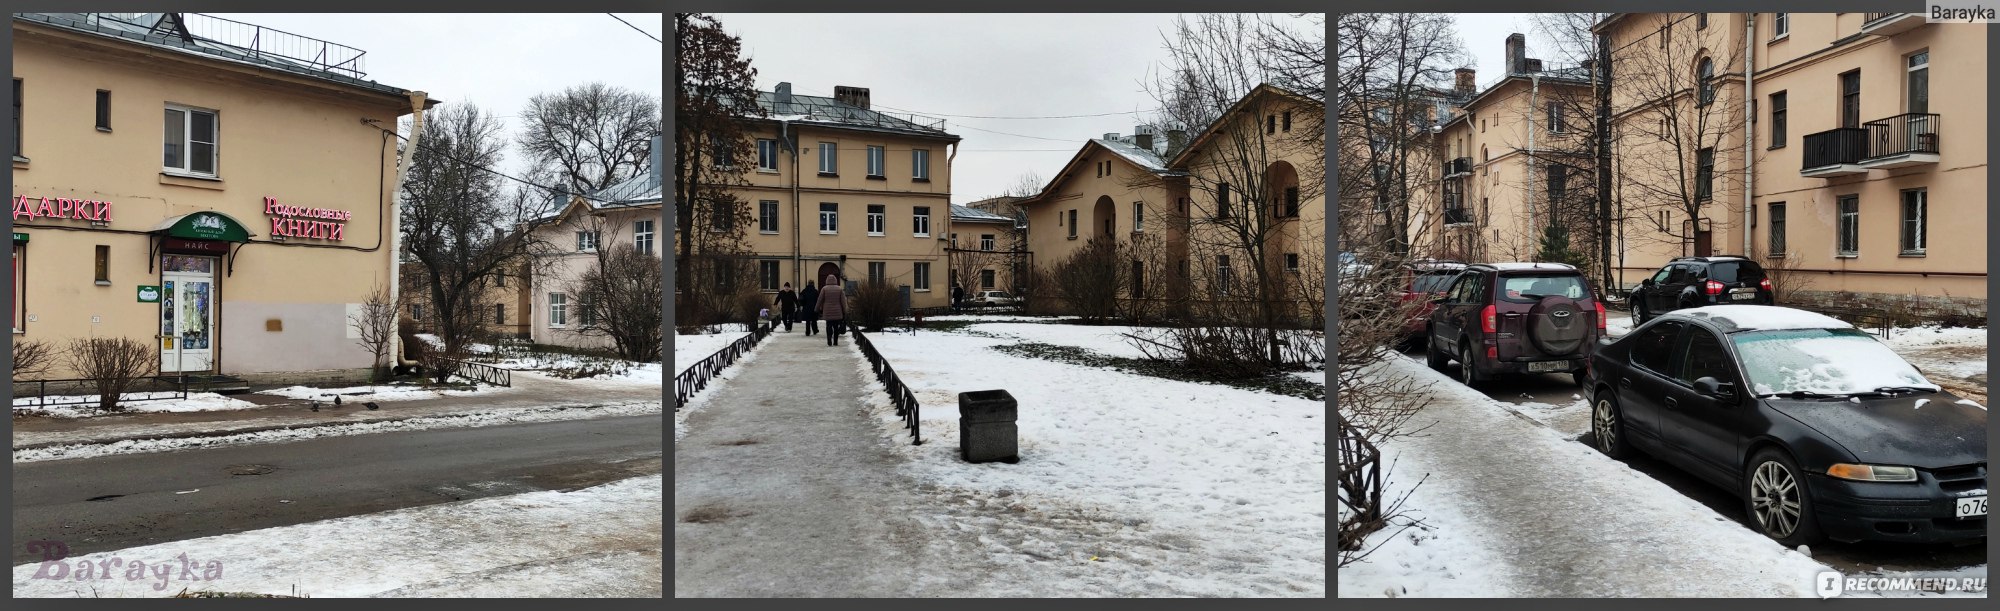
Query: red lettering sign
{"type": "Point", "coordinates": [61, 208]}
{"type": "Point", "coordinates": [311, 223]}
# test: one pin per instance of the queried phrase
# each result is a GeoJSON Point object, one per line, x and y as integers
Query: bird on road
{"type": "Point", "coordinates": [336, 400]}
{"type": "Point", "coordinates": [371, 405]}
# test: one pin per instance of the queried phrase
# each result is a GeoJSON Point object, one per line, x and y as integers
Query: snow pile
{"type": "Point", "coordinates": [598, 541]}
{"type": "Point", "coordinates": [395, 392]}
{"type": "Point", "coordinates": [714, 386]}
{"type": "Point", "coordinates": [83, 406]}
{"type": "Point", "coordinates": [1000, 318]}
{"type": "Point", "coordinates": [1958, 352]}
{"type": "Point", "coordinates": [1128, 485]}
{"type": "Point", "coordinates": [1767, 318]}
{"type": "Point", "coordinates": [640, 374]}
{"type": "Point", "coordinates": [691, 349]}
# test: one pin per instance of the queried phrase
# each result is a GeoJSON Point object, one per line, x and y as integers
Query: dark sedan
{"type": "Point", "coordinates": [1821, 429]}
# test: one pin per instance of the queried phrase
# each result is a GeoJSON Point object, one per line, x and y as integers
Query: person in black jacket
{"type": "Point", "coordinates": [957, 295]}
{"type": "Point", "coordinates": [788, 304]}
{"type": "Point", "coordinates": [808, 302]}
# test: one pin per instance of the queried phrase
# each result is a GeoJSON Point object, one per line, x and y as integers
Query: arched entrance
{"type": "Point", "coordinates": [1283, 180]}
{"type": "Point", "coordinates": [828, 269]}
{"type": "Point", "coordinates": [1105, 213]}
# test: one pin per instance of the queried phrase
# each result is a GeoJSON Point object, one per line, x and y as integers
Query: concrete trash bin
{"type": "Point", "coordinates": [986, 426]}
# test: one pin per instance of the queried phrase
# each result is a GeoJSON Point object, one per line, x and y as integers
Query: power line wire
{"type": "Point", "coordinates": [493, 171]}
{"type": "Point", "coordinates": [636, 28]}
{"type": "Point", "coordinates": [959, 116]}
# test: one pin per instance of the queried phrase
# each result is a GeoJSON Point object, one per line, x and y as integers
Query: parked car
{"type": "Point", "coordinates": [1821, 429]}
{"type": "Point", "coordinates": [1513, 318]}
{"type": "Point", "coordinates": [1689, 282]}
{"type": "Point", "coordinates": [1424, 281]}
{"type": "Point", "coordinates": [988, 299]}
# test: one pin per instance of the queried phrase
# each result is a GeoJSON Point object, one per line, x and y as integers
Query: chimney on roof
{"type": "Point", "coordinates": [1142, 137]}
{"type": "Point", "coordinates": [1176, 140]}
{"type": "Point", "coordinates": [1517, 53]}
{"type": "Point", "coordinates": [784, 94]}
{"type": "Point", "coordinates": [1112, 136]}
{"type": "Point", "coordinates": [1533, 65]}
{"type": "Point", "coordinates": [1465, 83]}
{"type": "Point", "coordinates": [851, 96]}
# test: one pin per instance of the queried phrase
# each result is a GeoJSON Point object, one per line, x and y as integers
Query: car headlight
{"type": "Point", "coordinates": [1872, 473]}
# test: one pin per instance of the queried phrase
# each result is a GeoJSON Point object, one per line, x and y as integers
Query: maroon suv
{"type": "Point", "coordinates": [1424, 281]}
{"type": "Point", "coordinates": [1516, 318]}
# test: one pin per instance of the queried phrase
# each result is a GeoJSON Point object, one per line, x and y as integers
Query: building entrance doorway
{"type": "Point", "coordinates": [187, 313]}
{"type": "Point", "coordinates": [829, 269]}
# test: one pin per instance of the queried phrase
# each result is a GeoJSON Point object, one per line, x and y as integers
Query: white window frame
{"type": "Point", "coordinates": [187, 142]}
{"type": "Point", "coordinates": [921, 283]}
{"type": "Point", "coordinates": [642, 236]}
{"type": "Point", "coordinates": [829, 220]}
{"type": "Point", "coordinates": [558, 311]}
{"type": "Point", "coordinates": [767, 269]}
{"type": "Point", "coordinates": [767, 217]}
{"type": "Point", "coordinates": [920, 221]}
{"type": "Point", "coordinates": [1138, 217]}
{"type": "Point", "coordinates": [1922, 220]}
{"type": "Point", "coordinates": [586, 241]}
{"type": "Point", "coordinates": [986, 241]}
{"type": "Point", "coordinates": [878, 271]}
{"type": "Point", "coordinates": [1781, 26]}
{"type": "Point", "coordinates": [829, 158]}
{"type": "Point", "coordinates": [920, 164]}
{"type": "Point", "coordinates": [1841, 221]}
{"type": "Point", "coordinates": [767, 150]}
{"type": "Point", "coordinates": [878, 220]}
{"type": "Point", "coordinates": [878, 159]}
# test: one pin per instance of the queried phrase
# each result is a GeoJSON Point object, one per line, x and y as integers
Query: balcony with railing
{"type": "Point", "coordinates": [1455, 168]}
{"type": "Point", "coordinates": [1890, 24]}
{"type": "Point", "coordinates": [1901, 141]}
{"type": "Point", "coordinates": [1834, 152]}
{"type": "Point", "coordinates": [1455, 212]}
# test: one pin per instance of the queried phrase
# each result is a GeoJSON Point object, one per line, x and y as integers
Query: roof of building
{"type": "Point", "coordinates": [1145, 159]}
{"type": "Point", "coordinates": [828, 111]}
{"type": "Point", "coordinates": [963, 214]}
{"type": "Point", "coordinates": [635, 191]}
{"type": "Point", "coordinates": [1200, 139]}
{"type": "Point", "coordinates": [265, 48]}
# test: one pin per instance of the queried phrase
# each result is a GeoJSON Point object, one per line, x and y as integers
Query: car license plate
{"type": "Point", "coordinates": [1543, 366]}
{"type": "Point", "coordinates": [1743, 296]}
{"type": "Point", "coordinates": [1971, 506]}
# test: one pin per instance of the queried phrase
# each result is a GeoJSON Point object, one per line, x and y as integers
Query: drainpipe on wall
{"type": "Point", "coordinates": [1534, 93]}
{"type": "Point", "coordinates": [396, 220]}
{"type": "Point", "coordinates": [798, 226]}
{"type": "Point", "coordinates": [1749, 126]}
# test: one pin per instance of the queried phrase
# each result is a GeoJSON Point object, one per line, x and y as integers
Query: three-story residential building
{"type": "Point", "coordinates": [624, 214]}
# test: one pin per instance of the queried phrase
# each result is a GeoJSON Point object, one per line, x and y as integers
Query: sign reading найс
{"type": "Point", "coordinates": [298, 222]}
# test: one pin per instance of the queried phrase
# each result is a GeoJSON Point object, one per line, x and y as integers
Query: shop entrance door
{"type": "Point", "coordinates": [187, 314]}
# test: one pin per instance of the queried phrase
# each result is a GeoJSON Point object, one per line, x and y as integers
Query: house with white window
{"type": "Point", "coordinates": [623, 214]}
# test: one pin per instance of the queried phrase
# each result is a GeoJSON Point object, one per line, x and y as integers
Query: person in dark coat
{"type": "Point", "coordinates": [833, 307]}
{"type": "Point", "coordinates": [957, 295]}
{"type": "Point", "coordinates": [788, 305]}
{"type": "Point", "coordinates": [809, 307]}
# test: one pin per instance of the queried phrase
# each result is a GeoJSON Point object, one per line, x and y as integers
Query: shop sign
{"type": "Point", "coordinates": [197, 246]}
{"type": "Point", "coordinates": [61, 208]}
{"type": "Point", "coordinates": [149, 293]}
{"type": "Point", "coordinates": [312, 223]}
{"type": "Point", "coordinates": [20, 237]}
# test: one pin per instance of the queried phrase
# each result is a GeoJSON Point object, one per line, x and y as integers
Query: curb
{"type": "Point", "coordinates": [274, 427]}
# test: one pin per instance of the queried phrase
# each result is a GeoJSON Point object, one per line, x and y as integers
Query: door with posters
{"type": "Point", "coordinates": [187, 314]}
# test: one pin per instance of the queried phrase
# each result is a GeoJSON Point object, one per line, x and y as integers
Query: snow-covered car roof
{"type": "Point", "coordinates": [1732, 318]}
{"type": "Point", "coordinates": [1508, 267]}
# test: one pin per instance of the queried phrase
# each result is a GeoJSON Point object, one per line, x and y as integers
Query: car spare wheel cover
{"type": "Point", "coordinates": [1557, 325]}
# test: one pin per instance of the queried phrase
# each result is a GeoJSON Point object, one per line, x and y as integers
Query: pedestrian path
{"type": "Point", "coordinates": [783, 486]}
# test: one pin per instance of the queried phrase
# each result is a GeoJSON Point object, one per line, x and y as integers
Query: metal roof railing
{"type": "Point", "coordinates": [229, 37]}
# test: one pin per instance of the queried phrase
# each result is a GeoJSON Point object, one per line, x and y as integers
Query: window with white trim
{"type": "Point", "coordinates": [920, 164]}
{"type": "Point", "coordinates": [767, 216]}
{"type": "Point", "coordinates": [920, 221]}
{"type": "Point", "coordinates": [922, 271]}
{"type": "Point", "coordinates": [829, 218]}
{"type": "Point", "coordinates": [1781, 25]}
{"type": "Point", "coordinates": [767, 276]}
{"type": "Point", "coordinates": [1138, 217]}
{"type": "Point", "coordinates": [1849, 238]}
{"type": "Point", "coordinates": [1916, 219]}
{"type": "Point", "coordinates": [767, 155]}
{"type": "Point", "coordinates": [876, 160]}
{"type": "Point", "coordinates": [878, 219]}
{"type": "Point", "coordinates": [878, 271]}
{"type": "Point", "coordinates": [190, 141]}
{"type": "Point", "coordinates": [829, 160]}
{"type": "Point", "coordinates": [558, 310]}
{"type": "Point", "coordinates": [642, 236]}
{"type": "Point", "coordinates": [586, 241]}
{"type": "Point", "coordinates": [986, 241]}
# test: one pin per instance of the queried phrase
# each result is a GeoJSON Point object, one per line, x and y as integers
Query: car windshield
{"type": "Point", "coordinates": [1529, 289]}
{"type": "Point", "coordinates": [1432, 282]}
{"type": "Point", "coordinates": [1824, 361]}
{"type": "Point", "coordinates": [1732, 272]}
{"type": "Point", "coordinates": [997, 293]}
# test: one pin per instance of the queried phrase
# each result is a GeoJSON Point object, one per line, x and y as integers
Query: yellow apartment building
{"type": "Point", "coordinates": [626, 213]}
{"type": "Point", "coordinates": [1254, 173]}
{"type": "Point", "coordinates": [227, 203]}
{"type": "Point", "coordinates": [1117, 187]}
{"type": "Point", "coordinates": [985, 248]}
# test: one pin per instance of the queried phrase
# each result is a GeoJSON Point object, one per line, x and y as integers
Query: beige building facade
{"type": "Point", "coordinates": [624, 214]}
{"type": "Point", "coordinates": [232, 211]}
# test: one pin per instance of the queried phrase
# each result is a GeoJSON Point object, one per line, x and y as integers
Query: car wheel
{"type": "Point", "coordinates": [1607, 425]}
{"type": "Point", "coordinates": [1639, 314]}
{"type": "Point", "coordinates": [1776, 499]}
{"type": "Point", "coordinates": [1437, 359]}
{"type": "Point", "coordinates": [1468, 373]}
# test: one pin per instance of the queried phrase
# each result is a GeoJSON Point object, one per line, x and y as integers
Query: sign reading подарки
{"type": "Point", "coordinates": [313, 223]}
{"type": "Point", "coordinates": [61, 208]}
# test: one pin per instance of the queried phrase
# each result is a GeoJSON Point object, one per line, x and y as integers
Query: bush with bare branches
{"type": "Point", "coordinates": [874, 304]}
{"type": "Point", "coordinates": [31, 358]}
{"type": "Point", "coordinates": [375, 327]}
{"type": "Point", "coordinates": [112, 364]}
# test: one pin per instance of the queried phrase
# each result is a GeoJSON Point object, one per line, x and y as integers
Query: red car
{"type": "Point", "coordinates": [1423, 282]}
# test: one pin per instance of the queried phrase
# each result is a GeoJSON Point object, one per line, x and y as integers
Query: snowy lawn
{"type": "Point", "coordinates": [714, 386]}
{"type": "Point", "coordinates": [1128, 484]}
{"type": "Point", "coordinates": [691, 349]}
{"type": "Point", "coordinates": [1958, 352]}
{"type": "Point", "coordinates": [384, 392]}
{"type": "Point", "coordinates": [84, 406]}
{"type": "Point", "coordinates": [599, 541]}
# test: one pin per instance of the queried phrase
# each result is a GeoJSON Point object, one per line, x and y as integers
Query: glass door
{"type": "Point", "coordinates": [187, 314]}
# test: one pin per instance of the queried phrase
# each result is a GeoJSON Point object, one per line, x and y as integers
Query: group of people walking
{"type": "Point", "coordinates": [827, 301]}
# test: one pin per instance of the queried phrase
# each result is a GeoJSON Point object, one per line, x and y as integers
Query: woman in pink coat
{"type": "Point", "coordinates": [833, 309]}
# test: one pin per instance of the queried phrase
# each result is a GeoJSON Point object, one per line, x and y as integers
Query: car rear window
{"type": "Point", "coordinates": [1432, 282]}
{"type": "Point", "coordinates": [1529, 289]}
{"type": "Point", "coordinates": [1731, 272]}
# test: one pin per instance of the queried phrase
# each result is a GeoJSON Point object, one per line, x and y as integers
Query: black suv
{"type": "Point", "coordinates": [1504, 318]}
{"type": "Point", "coordinates": [1690, 282]}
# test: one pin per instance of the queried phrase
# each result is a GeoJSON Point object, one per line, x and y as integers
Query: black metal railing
{"type": "Point", "coordinates": [1868, 19]}
{"type": "Point", "coordinates": [481, 373]}
{"type": "Point", "coordinates": [693, 379]}
{"type": "Point", "coordinates": [1457, 215]}
{"type": "Point", "coordinates": [83, 391]}
{"type": "Point", "coordinates": [1915, 132]}
{"type": "Point", "coordinates": [906, 401]}
{"type": "Point", "coordinates": [1360, 477]}
{"type": "Point", "coordinates": [1461, 165]}
{"type": "Point", "coordinates": [1839, 146]}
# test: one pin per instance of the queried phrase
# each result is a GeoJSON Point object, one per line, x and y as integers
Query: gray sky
{"type": "Point", "coordinates": [496, 61]}
{"type": "Point", "coordinates": [993, 65]}
{"type": "Point", "coordinates": [1485, 37]}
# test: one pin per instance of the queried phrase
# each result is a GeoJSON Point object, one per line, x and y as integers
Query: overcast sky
{"type": "Point", "coordinates": [991, 65]}
{"type": "Point", "coordinates": [496, 61]}
{"type": "Point", "coordinates": [1485, 37]}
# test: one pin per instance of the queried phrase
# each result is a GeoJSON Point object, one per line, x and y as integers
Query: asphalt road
{"type": "Point", "coordinates": [116, 502]}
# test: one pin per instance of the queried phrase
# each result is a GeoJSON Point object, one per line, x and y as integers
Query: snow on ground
{"type": "Point", "coordinates": [598, 541]}
{"type": "Point", "coordinates": [714, 385]}
{"type": "Point", "coordinates": [1617, 324]}
{"type": "Point", "coordinates": [495, 417]}
{"type": "Point", "coordinates": [1127, 484]}
{"type": "Point", "coordinates": [1108, 339]}
{"type": "Point", "coordinates": [691, 349]}
{"type": "Point", "coordinates": [84, 406]}
{"type": "Point", "coordinates": [1957, 352]}
{"type": "Point", "coordinates": [387, 392]}
{"type": "Point", "coordinates": [999, 318]}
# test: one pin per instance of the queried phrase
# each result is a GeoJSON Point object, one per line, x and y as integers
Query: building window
{"type": "Point", "coordinates": [1850, 226]}
{"type": "Point", "coordinates": [954, 237]}
{"type": "Point", "coordinates": [1287, 121]}
{"type": "Point", "coordinates": [1292, 262]}
{"type": "Point", "coordinates": [876, 161]}
{"type": "Point", "coordinates": [1919, 94]}
{"type": "Point", "coordinates": [1701, 21]}
{"type": "Point", "coordinates": [417, 312]}
{"type": "Point", "coordinates": [1916, 218]}
{"type": "Point", "coordinates": [878, 271]}
{"type": "Point", "coordinates": [1138, 217]}
{"type": "Point", "coordinates": [1291, 206]}
{"type": "Point", "coordinates": [500, 279]}
{"type": "Point", "coordinates": [1778, 120]}
{"type": "Point", "coordinates": [920, 164]}
{"type": "Point", "coordinates": [829, 161]}
{"type": "Point", "coordinates": [17, 119]}
{"type": "Point", "coordinates": [722, 217]}
{"type": "Point", "coordinates": [767, 216]}
{"type": "Point", "coordinates": [986, 279]}
{"type": "Point", "coordinates": [920, 221]}
{"type": "Point", "coordinates": [767, 276]}
{"type": "Point", "coordinates": [1558, 182]}
{"type": "Point", "coordinates": [499, 313]}
{"type": "Point", "coordinates": [19, 296]}
{"type": "Point", "coordinates": [1850, 99]}
{"type": "Point", "coordinates": [1271, 124]}
{"type": "Point", "coordinates": [1138, 279]}
{"type": "Point", "coordinates": [104, 110]}
{"type": "Point", "coordinates": [1705, 75]}
{"type": "Point", "coordinates": [1222, 200]}
{"type": "Point", "coordinates": [103, 266]}
{"type": "Point", "coordinates": [877, 219]}
{"type": "Point", "coordinates": [586, 241]}
{"type": "Point", "coordinates": [1704, 174]}
{"type": "Point", "coordinates": [1222, 274]}
{"type": "Point", "coordinates": [1781, 25]}
{"type": "Point", "coordinates": [1072, 223]}
{"type": "Point", "coordinates": [829, 218]}
{"type": "Point", "coordinates": [767, 155]}
{"type": "Point", "coordinates": [1556, 119]}
{"type": "Point", "coordinates": [642, 236]}
{"type": "Point", "coordinates": [190, 145]}
{"type": "Point", "coordinates": [986, 241]}
{"type": "Point", "coordinates": [724, 158]}
{"type": "Point", "coordinates": [922, 276]}
{"type": "Point", "coordinates": [586, 315]}
{"type": "Point", "coordinates": [558, 310]}
{"type": "Point", "coordinates": [1777, 238]}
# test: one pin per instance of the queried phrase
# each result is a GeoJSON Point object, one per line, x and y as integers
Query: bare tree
{"type": "Point", "coordinates": [31, 358]}
{"type": "Point", "coordinates": [375, 325]}
{"type": "Point", "coordinates": [1678, 137]}
{"type": "Point", "coordinates": [1392, 69]}
{"type": "Point", "coordinates": [112, 364]}
{"type": "Point", "coordinates": [590, 136]}
{"type": "Point", "coordinates": [713, 117]}
{"type": "Point", "coordinates": [619, 298]}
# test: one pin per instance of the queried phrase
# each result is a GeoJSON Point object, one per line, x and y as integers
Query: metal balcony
{"type": "Point", "coordinates": [1901, 141]}
{"type": "Point", "coordinates": [1455, 168]}
{"type": "Point", "coordinates": [1457, 216]}
{"type": "Point", "coordinates": [1890, 24]}
{"type": "Point", "coordinates": [1835, 152]}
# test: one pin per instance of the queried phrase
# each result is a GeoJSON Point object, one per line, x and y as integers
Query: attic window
{"type": "Point", "coordinates": [1288, 120]}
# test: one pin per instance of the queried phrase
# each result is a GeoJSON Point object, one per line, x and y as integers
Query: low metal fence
{"type": "Point", "coordinates": [481, 373]}
{"type": "Point", "coordinates": [83, 391]}
{"type": "Point", "coordinates": [693, 379]}
{"type": "Point", "coordinates": [900, 395]}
